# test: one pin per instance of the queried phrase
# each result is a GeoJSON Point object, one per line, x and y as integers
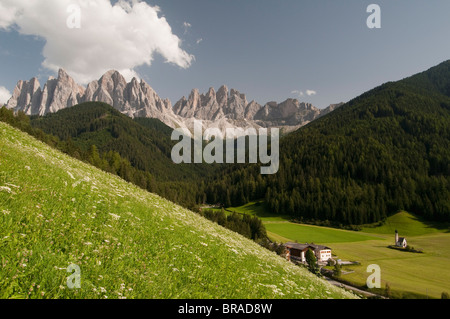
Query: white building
{"type": "Point", "coordinates": [297, 251]}
{"type": "Point", "coordinates": [400, 241]}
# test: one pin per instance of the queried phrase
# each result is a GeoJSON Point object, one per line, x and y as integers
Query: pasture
{"type": "Point", "coordinates": [409, 275]}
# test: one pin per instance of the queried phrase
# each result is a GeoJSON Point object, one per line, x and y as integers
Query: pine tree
{"type": "Point", "coordinates": [312, 262]}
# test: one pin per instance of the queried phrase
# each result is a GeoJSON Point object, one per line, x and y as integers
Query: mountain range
{"type": "Point", "coordinates": [222, 109]}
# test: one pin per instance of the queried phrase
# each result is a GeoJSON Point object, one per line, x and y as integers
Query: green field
{"type": "Point", "coordinates": [315, 234]}
{"type": "Point", "coordinates": [410, 275]}
{"type": "Point", "coordinates": [56, 211]}
{"type": "Point", "coordinates": [258, 209]}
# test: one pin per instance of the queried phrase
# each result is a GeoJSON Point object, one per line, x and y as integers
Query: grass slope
{"type": "Point", "coordinates": [408, 225]}
{"type": "Point", "coordinates": [56, 211]}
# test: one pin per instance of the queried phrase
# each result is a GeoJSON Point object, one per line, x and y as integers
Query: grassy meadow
{"type": "Point", "coordinates": [409, 275]}
{"type": "Point", "coordinates": [56, 211]}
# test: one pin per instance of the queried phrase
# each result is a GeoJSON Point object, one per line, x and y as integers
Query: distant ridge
{"type": "Point", "coordinates": [222, 109]}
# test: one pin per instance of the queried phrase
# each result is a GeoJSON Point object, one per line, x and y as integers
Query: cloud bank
{"type": "Point", "coordinates": [89, 37]}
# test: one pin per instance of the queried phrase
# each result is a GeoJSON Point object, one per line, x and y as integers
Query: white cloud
{"type": "Point", "coordinates": [298, 93]}
{"type": "Point", "coordinates": [199, 41]}
{"type": "Point", "coordinates": [310, 92]}
{"type": "Point", "coordinates": [4, 95]}
{"type": "Point", "coordinates": [122, 36]}
{"type": "Point", "coordinates": [186, 26]}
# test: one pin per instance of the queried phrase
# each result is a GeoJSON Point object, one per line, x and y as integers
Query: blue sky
{"type": "Point", "coordinates": [266, 49]}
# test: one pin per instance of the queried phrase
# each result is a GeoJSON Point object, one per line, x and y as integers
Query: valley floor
{"type": "Point", "coordinates": [409, 275]}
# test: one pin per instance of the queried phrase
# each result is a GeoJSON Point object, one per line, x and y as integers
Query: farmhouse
{"type": "Point", "coordinates": [400, 241]}
{"type": "Point", "coordinates": [297, 252]}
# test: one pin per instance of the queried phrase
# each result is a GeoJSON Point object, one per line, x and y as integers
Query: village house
{"type": "Point", "coordinates": [297, 252]}
{"type": "Point", "coordinates": [400, 241]}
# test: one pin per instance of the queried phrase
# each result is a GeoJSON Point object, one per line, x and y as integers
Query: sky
{"type": "Point", "coordinates": [320, 52]}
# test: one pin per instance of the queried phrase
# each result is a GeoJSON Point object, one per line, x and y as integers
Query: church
{"type": "Point", "coordinates": [400, 241]}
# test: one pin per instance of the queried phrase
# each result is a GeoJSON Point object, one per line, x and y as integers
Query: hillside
{"type": "Point", "coordinates": [384, 151]}
{"type": "Point", "coordinates": [408, 225]}
{"type": "Point", "coordinates": [138, 150]}
{"type": "Point", "coordinates": [128, 243]}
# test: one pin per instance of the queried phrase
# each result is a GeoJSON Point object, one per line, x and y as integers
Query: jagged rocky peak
{"type": "Point", "coordinates": [57, 94]}
{"type": "Point", "coordinates": [22, 95]}
{"type": "Point", "coordinates": [252, 108]}
{"type": "Point", "coordinates": [213, 105]}
{"type": "Point", "coordinates": [331, 108]}
{"type": "Point", "coordinates": [134, 98]}
{"type": "Point", "coordinates": [291, 112]}
{"type": "Point", "coordinates": [222, 95]}
{"type": "Point", "coordinates": [211, 93]}
{"type": "Point", "coordinates": [236, 93]}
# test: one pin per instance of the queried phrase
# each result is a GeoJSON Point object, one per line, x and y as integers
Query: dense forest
{"type": "Point", "coordinates": [384, 151]}
{"type": "Point", "coordinates": [244, 224]}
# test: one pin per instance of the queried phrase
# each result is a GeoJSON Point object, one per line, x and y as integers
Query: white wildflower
{"type": "Point", "coordinates": [5, 189]}
{"type": "Point", "coordinates": [116, 217]}
{"type": "Point", "coordinates": [12, 185]}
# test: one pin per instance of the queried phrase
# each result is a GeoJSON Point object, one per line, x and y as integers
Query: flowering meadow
{"type": "Point", "coordinates": [56, 211]}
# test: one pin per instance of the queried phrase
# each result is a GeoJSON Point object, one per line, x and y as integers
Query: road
{"type": "Point", "coordinates": [359, 291]}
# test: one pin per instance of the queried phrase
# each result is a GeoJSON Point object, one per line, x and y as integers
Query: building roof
{"type": "Point", "coordinates": [305, 246]}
